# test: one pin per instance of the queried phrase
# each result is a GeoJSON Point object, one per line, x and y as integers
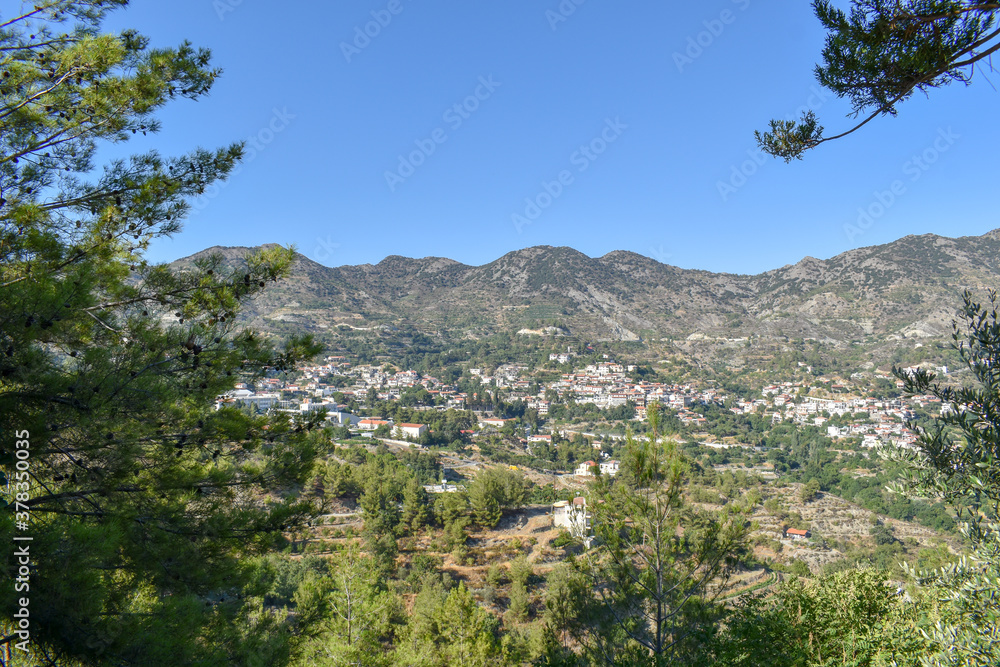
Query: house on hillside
{"type": "Point", "coordinates": [572, 515]}
{"type": "Point", "coordinates": [583, 470]}
{"type": "Point", "coordinates": [610, 468]}
{"type": "Point", "coordinates": [412, 430]}
{"type": "Point", "coordinates": [796, 534]}
{"type": "Point", "coordinates": [342, 418]}
{"type": "Point", "coordinates": [443, 487]}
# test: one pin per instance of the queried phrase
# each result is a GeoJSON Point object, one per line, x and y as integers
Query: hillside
{"type": "Point", "coordinates": [908, 289]}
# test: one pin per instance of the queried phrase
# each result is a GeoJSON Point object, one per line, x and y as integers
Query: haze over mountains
{"type": "Point", "coordinates": [907, 289]}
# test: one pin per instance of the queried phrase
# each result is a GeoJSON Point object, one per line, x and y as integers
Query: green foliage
{"type": "Point", "coordinates": [882, 534]}
{"type": "Point", "coordinates": [425, 467]}
{"type": "Point", "coordinates": [880, 53]}
{"type": "Point", "coordinates": [788, 139]}
{"type": "Point", "coordinates": [562, 539]}
{"type": "Point", "coordinates": [809, 490]}
{"type": "Point", "coordinates": [773, 505]}
{"type": "Point", "coordinates": [493, 575]}
{"type": "Point", "coordinates": [849, 618]}
{"type": "Point", "coordinates": [420, 566]}
{"type": "Point", "coordinates": [486, 508]}
{"type": "Point", "coordinates": [521, 570]}
{"type": "Point", "coordinates": [957, 462]}
{"type": "Point", "coordinates": [567, 596]}
{"type": "Point", "coordinates": [451, 510]}
{"type": "Point", "coordinates": [416, 506]}
{"type": "Point", "coordinates": [494, 491]}
{"type": "Point", "coordinates": [517, 610]}
{"type": "Point", "coordinates": [281, 576]}
{"type": "Point", "coordinates": [348, 615]}
{"type": "Point", "coordinates": [657, 557]}
{"type": "Point", "coordinates": [339, 480]}
{"type": "Point", "coordinates": [799, 568]}
{"type": "Point", "coordinates": [448, 628]}
{"type": "Point", "coordinates": [146, 505]}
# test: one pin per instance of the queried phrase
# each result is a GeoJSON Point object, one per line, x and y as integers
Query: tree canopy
{"type": "Point", "coordinates": [956, 461]}
{"type": "Point", "coordinates": [881, 52]}
{"type": "Point", "coordinates": [660, 559]}
{"type": "Point", "coordinates": [140, 498]}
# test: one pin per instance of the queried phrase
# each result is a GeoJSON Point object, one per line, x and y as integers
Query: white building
{"type": "Point", "coordinates": [412, 430]}
{"type": "Point", "coordinates": [609, 468]}
{"type": "Point", "coordinates": [441, 488]}
{"type": "Point", "coordinates": [343, 418]}
{"type": "Point", "coordinates": [583, 470]}
{"type": "Point", "coordinates": [572, 516]}
{"type": "Point", "coordinates": [262, 401]}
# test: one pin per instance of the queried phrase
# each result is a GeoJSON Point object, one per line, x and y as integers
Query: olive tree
{"type": "Point", "coordinates": [958, 460]}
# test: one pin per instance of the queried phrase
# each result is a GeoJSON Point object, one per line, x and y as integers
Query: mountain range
{"type": "Point", "coordinates": [907, 289]}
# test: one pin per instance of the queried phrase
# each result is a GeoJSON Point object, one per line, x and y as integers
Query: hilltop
{"type": "Point", "coordinates": [904, 290]}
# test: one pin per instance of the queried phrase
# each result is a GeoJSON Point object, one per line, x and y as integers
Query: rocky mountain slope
{"type": "Point", "coordinates": [908, 289]}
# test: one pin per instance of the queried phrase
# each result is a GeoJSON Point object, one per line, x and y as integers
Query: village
{"type": "Point", "coordinates": [844, 409]}
{"type": "Point", "coordinates": [798, 530]}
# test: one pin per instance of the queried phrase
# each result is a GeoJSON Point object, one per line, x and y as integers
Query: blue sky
{"type": "Point", "coordinates": [629, 125]}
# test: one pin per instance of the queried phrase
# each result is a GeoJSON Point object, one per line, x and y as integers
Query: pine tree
{"type": "Point", "coordinates": [448, 628]}
{"type": "Point", "coordinates": [517, 610]}
{"type": "Point", "coordinates": [566, 595]}
{"type": "Point", "coordinates": [352, 614]}
{"type": "Point", "coordinates": [416, 512]}
{"type": "Point", "coordinates": [659, 559]}
{"type": "Point", "coordinates": [495, 490]}
{"type": "Point", "coordinates": [142, 500]}
{"type": "Point", "coordinates": [881, 53]}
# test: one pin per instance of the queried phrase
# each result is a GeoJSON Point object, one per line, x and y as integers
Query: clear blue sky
{"type": "Point", "coordinates": [679, 127]}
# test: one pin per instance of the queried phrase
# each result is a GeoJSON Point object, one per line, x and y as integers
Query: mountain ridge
{"type": "Point", "coordinates": [909, 288]}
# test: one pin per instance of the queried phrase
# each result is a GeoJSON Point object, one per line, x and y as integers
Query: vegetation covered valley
{"type": "Point", "coordinates": [247, 458]}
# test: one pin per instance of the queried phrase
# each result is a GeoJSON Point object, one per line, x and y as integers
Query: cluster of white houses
{"type": "Point", "coordinates": [605, 384]}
